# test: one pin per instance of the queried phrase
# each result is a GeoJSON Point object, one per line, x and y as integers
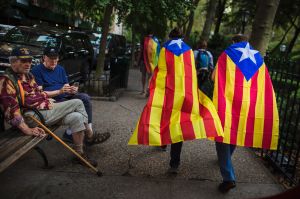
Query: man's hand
{"type": "Point", "coordinates": [36, 131]}
{"type": "Point", "coordinates": [66, 89]}
{"type": "Point", "coordinates": [51, 103]}
{"type": "Point", "coordinates": [74, 89]}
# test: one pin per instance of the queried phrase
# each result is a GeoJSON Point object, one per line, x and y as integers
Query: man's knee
{"type": "Point", "coordinates": [76, 102]}
{"type": "Point", "coordinates": [85, 97]}
{"type": "Point", "coordinates": [75, 121]}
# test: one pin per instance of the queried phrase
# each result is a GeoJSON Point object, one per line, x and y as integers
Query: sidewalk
{"type": "Point", "coordinates": [133, 171]}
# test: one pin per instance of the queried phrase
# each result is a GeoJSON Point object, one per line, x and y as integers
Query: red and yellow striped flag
{"type": "Point", "coordinates": [151, 52]}
{"type": "Point", "coordinates": [176, 110]}
{"type": "Point", "coordinates": [245, 99]}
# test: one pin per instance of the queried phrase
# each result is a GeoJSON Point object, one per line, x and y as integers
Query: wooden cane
{"type": "Point", "coordinates": [99, 173]}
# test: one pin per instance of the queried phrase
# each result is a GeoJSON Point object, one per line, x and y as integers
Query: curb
{"type": "Point", "coordinates": [114, 97]}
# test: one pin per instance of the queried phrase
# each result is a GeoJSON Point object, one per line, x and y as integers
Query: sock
{"type": "Point", "coordinates": [90, 125]}
{"type": "Point", "coordinates": [78, 148]}
{"type": "Point", "coordinates": [68, 131]}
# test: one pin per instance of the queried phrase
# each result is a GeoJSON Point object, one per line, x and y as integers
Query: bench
{"type": "Point", "coordinates": [14, 144]}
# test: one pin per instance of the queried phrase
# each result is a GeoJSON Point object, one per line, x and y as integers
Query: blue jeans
{"type": "Point", "coordinates": [224, 152]}
{"type": "Point", "coordinates": [86, 99]}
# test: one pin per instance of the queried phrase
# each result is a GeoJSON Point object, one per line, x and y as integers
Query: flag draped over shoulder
{"type": "Point", "coordinates": [245, 99]}
{"type": "Point", "coordinates": [151, 53]}
{"type": "Point", "coordinates": [176, 110]}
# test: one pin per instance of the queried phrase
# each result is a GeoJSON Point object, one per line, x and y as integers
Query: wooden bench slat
{"type": "Point", "coordinates": [8, 134]}
{"type": "Point", "coordinates": [12, 145]}
{"type": "Point", "coordinates": [21, 151]}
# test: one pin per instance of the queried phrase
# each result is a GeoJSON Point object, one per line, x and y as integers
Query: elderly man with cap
{"type": "Point", "coordinates": [18, 89]}
{"type": "Point", "coordinates": [53, 79]}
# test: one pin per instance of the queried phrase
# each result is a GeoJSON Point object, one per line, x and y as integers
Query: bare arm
{"type": "Point", "coordinates": [65, 89]}
{"type": "Point", "coordinates": [213, 75]}
{"type": "Point", "coordinates": [36, 131]}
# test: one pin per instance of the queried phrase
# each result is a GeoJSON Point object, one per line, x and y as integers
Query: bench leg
{"type": "Point", "coordinates": [42, 153]}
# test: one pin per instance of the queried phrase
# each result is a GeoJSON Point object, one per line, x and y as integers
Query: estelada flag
{"type": "Point", "coordinates": [151, 52]}
{"type": "Point", "coordinates": [176, 110]}
{"type": "Point", "coordinates": [245, 99]}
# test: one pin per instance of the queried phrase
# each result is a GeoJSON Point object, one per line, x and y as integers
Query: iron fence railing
{"type": "Point", "coordinates": [286, 82]}
{"type": "Point", "coordinates": [101, 86]}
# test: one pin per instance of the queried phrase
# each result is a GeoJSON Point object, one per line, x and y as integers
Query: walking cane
{"type": "Point", "coordinates": [99, 173]}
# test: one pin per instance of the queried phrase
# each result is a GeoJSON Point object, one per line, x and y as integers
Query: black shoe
{"type": "Point", "coordinates": [161, 148]}
{"type": "Point", "coordinates": [173, 170]}
{"type": "Point", "coordinates": [79, 161]}
{"type": "Point", "coordinates": [225, 186]}
{"type": "Point", "coordinates": [67, 138]}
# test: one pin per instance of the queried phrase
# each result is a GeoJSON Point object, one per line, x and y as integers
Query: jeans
{"type": "Point", "coordinates": [175, 154]}
{"type": "Point", "coordinates": [224, 152]}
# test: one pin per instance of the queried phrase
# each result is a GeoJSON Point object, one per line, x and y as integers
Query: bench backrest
{"type": "Point", "coordinates": [2, 127]}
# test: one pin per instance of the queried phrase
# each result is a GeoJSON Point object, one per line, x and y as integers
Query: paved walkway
{"type": "Point", "coordinates": [133, 171]}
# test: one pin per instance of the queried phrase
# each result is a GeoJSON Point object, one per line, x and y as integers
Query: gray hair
{"type": "Point", "coordinates": [12, 59]}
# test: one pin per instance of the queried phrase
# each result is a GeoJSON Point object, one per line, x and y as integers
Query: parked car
{"type": "Point", "coordinates": [115, 47]}
{"type": "Point", "coordinates": [75, 48]}
{"type": "Point", "coordinates": [4, 29]}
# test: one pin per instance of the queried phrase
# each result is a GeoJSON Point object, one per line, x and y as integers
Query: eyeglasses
{"type": "Point", "coordinates": [29, 60]}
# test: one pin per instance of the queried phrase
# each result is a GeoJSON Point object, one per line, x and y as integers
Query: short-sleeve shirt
{"type": "Point", "coordinates": [50, 80]}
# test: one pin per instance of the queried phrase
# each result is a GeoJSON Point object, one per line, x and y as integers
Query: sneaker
{"type": "Point", "coordinates": [84, 155]}
{"type": "Point", "coordinates": [161, 148]}
{"type": "Point", "coordinates": [225, 186]}
{"type": "Point", "coordinates": [67, 138]}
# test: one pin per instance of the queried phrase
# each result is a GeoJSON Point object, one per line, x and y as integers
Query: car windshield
{"type": "Point", "coordinates": [4, 29]}
{"type": "Point", "coordinates": [95, 38]}
{"type": "Point", "coordinates": [30, 37]}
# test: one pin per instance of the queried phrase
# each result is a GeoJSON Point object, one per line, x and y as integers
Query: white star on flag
{"type": "Point", "coordinates": [176, 41]}
{"type": "Point", "coordinates": [247, 53]}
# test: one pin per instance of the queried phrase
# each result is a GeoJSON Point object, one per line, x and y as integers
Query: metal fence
{"type": "Point", "coordinates": [286, 81]}
{"type": "Point", "coordinates": [116, 77]}
{"type": "Point", "coordinates": [100, 86]}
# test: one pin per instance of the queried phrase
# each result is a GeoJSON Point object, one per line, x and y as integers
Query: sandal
{"type": "Point", "coordinates": [97, 138]}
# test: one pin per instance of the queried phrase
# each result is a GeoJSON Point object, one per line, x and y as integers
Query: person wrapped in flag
{"type": "Point", "coordinates": [150, 53]}
{"type": "Point", "coordinates": [176, 110]}
{"type": "Point", "coordinates": [246, 104]}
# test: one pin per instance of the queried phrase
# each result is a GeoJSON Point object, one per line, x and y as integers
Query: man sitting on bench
{"type": "Point", "coordinates": [53, 78]}
{"type": "Point", "coordinates": [18, 89]}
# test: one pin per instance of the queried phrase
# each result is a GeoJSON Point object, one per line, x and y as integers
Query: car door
{"type": "Point", "coordinates": [70, 58]}
{"type": "Point", "coordinates": [84, 55]}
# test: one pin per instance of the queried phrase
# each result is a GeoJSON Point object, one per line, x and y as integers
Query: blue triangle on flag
{"type": "Point", "coordinates": [248, 65]}
{"type": "Point", "coordinates": [174, 48]}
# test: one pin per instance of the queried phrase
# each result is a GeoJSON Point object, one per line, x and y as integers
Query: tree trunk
{"type": "Point", "coordinates": [220, 14]}
{"type": "Point", "coordinates": [210, 15]}
{"type": "Point", "coordinates": [262, 25]}
{"type": "Point", "coordinates": [133, 58]}
{"type": "Point", "coordinates": [190, 25]}
{"type": "Point", "coordinates": [191, 21]}
{"type": "Point", "coordinates": [104, 33]}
